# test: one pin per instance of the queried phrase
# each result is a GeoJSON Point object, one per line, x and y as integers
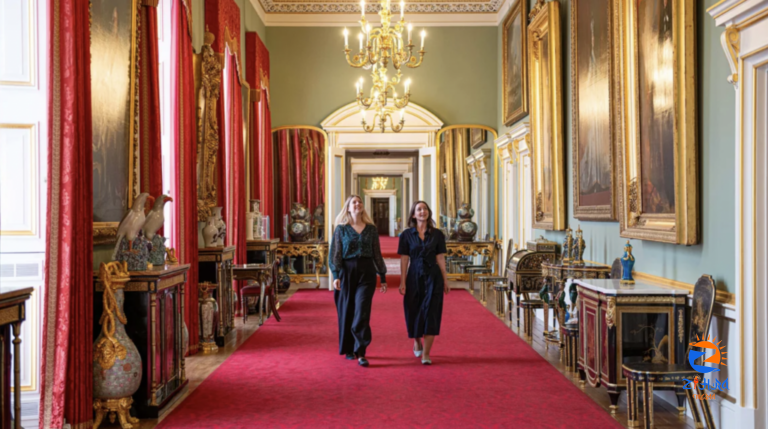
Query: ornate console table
{"type": "Point", "coordinates": [154, 306]}
{"type": "Point", "coordinates": [317, 250]}
{"type": "Point", "coordinates": [255, 247]}
{"type": "Point", "coordinates": [215, 264]}
{"type": "Point", "coordinates": [622, 324]}
{"type": "Point", "coordinates": [555, 275]}
{"type": "Point", "coordinates": [12, 313]}
{"type": "Point", "coordinates": [472, 248]}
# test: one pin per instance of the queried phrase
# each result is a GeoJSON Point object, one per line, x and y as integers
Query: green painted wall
{"type": "Point", "coordinates": [716, 101]}
{"type": "Point", "coordinates": [310, 78]}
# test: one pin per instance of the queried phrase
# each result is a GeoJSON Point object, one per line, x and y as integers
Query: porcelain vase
{"type": "Point", "coordinates": [209, 317]}
{"type": "Point", "coordinates": [466, 229]}
{"type": "Point", "coordinates": [210, 232]}
{"type": "Point", "coordinates": [221, 226]}
{"type": "Point", "coordinates": [116, 362]}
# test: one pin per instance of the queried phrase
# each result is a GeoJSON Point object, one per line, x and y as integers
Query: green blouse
{"type": "Point", "coordinates": [348, 244]}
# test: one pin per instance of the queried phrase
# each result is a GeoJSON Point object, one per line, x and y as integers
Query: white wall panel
{"type": "Point", "coordinates": [18, 180]}
{"type": "Point", "coordinates": [16, 42]}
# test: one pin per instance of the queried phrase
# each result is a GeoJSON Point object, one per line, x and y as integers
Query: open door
{"type": "Point", "coordinates": [335, 177]}
{"type": "Point", "coordinates": [427, 182]}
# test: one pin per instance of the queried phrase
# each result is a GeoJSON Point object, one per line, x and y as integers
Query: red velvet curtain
{"type": "Point", "coordinates": [263, 160]}
{"type": "Point", "coordinates": [283, 179]}
{"type": "Point", "coordinates": [149, 104]}
{"type": "Point", "coordinates": [238, 204]}
{"type": "Point", "coordinates": [185, 159]}
{"type": "Point", "coordinates": [298, 194]}
{"type": "Point", "coordinates": [67, 375]}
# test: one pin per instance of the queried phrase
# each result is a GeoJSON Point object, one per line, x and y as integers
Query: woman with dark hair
{"type": "Point", "coordinates": [422, 259]}
{"type": "Point", "coordinates": [355, 258]}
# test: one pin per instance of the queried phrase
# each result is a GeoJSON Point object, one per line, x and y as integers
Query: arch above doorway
{"type": "Point", "coordinates": [345, 132]}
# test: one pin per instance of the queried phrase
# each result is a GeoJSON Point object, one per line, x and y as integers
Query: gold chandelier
{"type": "Point", "coordinates": [381, 46]}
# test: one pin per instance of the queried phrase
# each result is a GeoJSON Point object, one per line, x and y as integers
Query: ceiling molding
{"type": "Point", "coordinates": [338, 14]}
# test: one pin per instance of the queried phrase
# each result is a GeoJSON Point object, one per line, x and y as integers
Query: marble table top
{"type": "Point", "coordinates": [615, 287]}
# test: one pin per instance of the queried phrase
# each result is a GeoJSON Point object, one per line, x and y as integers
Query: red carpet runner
{"type": "Point", "coordinates": [389, 246]}
{"type": "Point", "coordinates": [289, 375]}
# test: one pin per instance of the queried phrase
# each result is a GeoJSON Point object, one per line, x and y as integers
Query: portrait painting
{"type": "Point", "coordinates": [591, 59]}
{"type": "Point", "coordinates": [477, 137]}
{"type": "Point", "coordinates": [655, 81]}
{"type": "Point", "coordinates": [113, 54]}
{"type": "Point", "coordinates": [514, 64]}
{"type": "Point", "coordinates": [657, 151]}
{"type": "Point", "coordinates": [546, 117]}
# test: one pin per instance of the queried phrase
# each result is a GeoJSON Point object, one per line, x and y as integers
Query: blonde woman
{"type": "Point", "coordinates": [355, 258]}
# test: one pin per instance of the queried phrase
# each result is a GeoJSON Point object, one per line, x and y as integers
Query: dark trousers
{"type": "Point", "coordinates": [353, 305]}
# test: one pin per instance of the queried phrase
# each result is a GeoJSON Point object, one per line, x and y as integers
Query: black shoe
{"type": "Point", "coordinates": [350, 356]}
{"type": "Point", "coordinates": [362, 361]}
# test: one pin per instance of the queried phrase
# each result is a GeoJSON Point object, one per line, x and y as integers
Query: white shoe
{"type": "Point", "coordinates": [426, 361]}
{"type": "Point", "coordinates": [418, 353]}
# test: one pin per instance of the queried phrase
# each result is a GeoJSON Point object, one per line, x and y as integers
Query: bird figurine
{"type": "Point", "coordinates": [131, 224]}
{"type": "Point", "coordinates": [155, 218]}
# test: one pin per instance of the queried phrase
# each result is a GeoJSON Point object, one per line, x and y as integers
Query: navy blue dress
{"type": "Point", "coordinates": [423, 302]}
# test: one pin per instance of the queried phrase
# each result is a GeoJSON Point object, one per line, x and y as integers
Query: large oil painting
{"type": "Point", "coordinates": [655, 79]}
{"type": "Point", "coordinates": [658, 169]}
{"type": "Point", "coordinates": [591, 59]}
{"type": "Point", "coordinates": [546, 117]}
{"type": "Point", "coordinates": [514, 64]}
{"type": "Point", "coordinates": [113, 53]}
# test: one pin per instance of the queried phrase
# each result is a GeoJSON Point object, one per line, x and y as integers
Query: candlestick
{"type": "Point", "coordinates": [402, 9]}
{"type": "Point", "coordinates": [423, 35]}
{"type": "Point", "coordinates": [346, 38]}
{"type": "Point", "coordinates": [360, 38]}
{"type": "Point", "coordinates": [410, 28]}
{"type": "Point", "coordinates": [362, 8]}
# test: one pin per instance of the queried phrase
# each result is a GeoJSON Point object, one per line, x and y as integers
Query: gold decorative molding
{"type": "Point", "coordinates": [208, 82]}
{"type": "Point", "coordinates": [610, 311]}
{"type": "Point", "coordinates": [731, 42]}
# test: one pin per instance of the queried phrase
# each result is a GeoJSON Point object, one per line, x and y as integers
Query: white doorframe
{"type": "Point", "coordinates": [370, 194]}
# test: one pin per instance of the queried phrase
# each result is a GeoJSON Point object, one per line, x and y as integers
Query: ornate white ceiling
{"type": "Point", "coordinates": [347, 12]}
{"type": "Point", "coordinates": [353, 6]}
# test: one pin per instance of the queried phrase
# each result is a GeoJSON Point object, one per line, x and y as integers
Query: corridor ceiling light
{"type": "Point", "coordinates": [382, 46]}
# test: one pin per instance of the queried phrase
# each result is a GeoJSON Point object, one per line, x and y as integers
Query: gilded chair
{"type": "Point", "coordinates": [650, 373]}
{"type": "Point", "coordinates": [488, 280]}
{"type": "Point", "coordinates": [265, 287]}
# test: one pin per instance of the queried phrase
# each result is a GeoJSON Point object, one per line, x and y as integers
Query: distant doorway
{"type": "Point", "coordinates": [381, 215]}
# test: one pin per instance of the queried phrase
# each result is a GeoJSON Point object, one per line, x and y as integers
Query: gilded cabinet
{"type": "Point", "coordinates": [622, 324]}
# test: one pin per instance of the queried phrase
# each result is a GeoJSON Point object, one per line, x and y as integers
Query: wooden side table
{"type": "Point", "coordinates": [154, 306]}
{"type": "Point", "coordinates": [215, 264]}
{"type": "Point", "coordinates": [12, 314]}
{"type": "Point", "coordinates": [261, 274]}
{"type": "Point", "coordinates": [268, 246]}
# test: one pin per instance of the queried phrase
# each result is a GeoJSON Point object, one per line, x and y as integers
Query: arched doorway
{"type": "Point", "coordinates": [346, 133]}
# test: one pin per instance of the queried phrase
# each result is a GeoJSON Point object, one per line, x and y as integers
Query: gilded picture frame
{"type": "Point", "coordinates": [477, 137]}
{"type": "Point", "coordinates": [594, 115]}
{"type": "Point", "coordinates": [546, 117]}
{"type": "Point", "coordinates": [658, 167]}
{"type": "Point", "coordinates": [114, 71]}
{"type": "Point", "coordinates": [514, 69]}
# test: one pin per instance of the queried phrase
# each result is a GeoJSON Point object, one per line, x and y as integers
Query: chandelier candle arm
{"type": "Point", "coordinates": [384, 44]}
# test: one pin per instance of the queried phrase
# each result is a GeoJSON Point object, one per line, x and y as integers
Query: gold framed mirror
{"type": "Point", "coordinates": [300, 182]}
{"type": "Point", "coordinates": [462, 159]}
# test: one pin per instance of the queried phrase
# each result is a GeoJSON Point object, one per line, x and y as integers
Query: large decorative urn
{"type": "Point", "coordinates": [465, 228]}
{"type": "Point", "coordinates": [210, 232]}
{"type": "Point", "coordinates": [116, 361]}
{"type": "Point", "coordinates": [209, 317]}
{"type": "Point", "coordinates": [299, 229]}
